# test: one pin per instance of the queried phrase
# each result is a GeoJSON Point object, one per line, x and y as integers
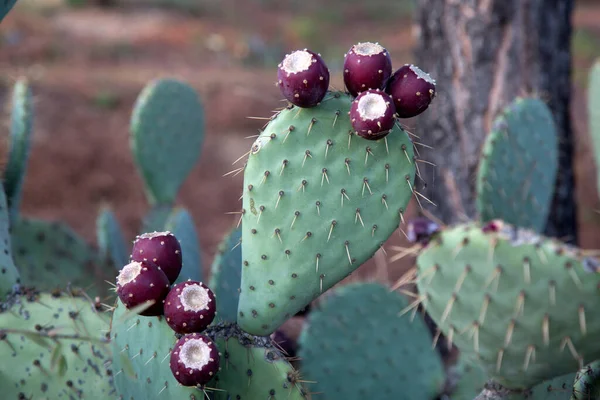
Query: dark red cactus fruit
{"type": "Point", "coordinates": [163, 249]}
{"type": "Point", "coordinates": [412, 90]}
{"type": "Point", "coordinates": [493, 226]}
{"type": "Point", "coordinates": [366, 66]}
{"type": "Point", "coordinates": [372, 114]}
{"type": "Point", "coordinates": [420, 230]}
{"type": "Point", "coordinates": [190, 307]}
{"type": "Point", "coordinates": [140, 282]}
{"type": "Point", "coordinates": [303, 78]}
{"type": "Point", "coordinates": [194, 360]}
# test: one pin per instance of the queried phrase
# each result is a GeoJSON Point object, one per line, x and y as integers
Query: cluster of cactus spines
{"type": "Point", "coordinates": [226, 275]}
{"type": "Point", "coordinates": [181, 224]}
{"type": "Point", "coordinates": [9, 274]}
{"type": "Point", "coordinates": [360, 342]}
{"type": "Point", "coordinates": [515, 180]}
{"type": "Point", "coordinates": [111, 242]}
{"type": "Point", "coordinates": [21, 126]}
{"type": "Point", "coordinates": [54, 346]}
{"type": "Point", "coordinates": [167, 123]}
{"type": "Point", "coordinates": [593, 107]}
{"type": "Point", "coordinates": [520, 304]}
{"type": "Point", "coordinates": [318, 201]}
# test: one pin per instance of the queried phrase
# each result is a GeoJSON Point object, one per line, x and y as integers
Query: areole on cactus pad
{"type": "Point", "coordinates": [318, 201]}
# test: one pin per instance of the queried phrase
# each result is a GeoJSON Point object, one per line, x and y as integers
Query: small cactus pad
{"type": "Point", "coordinates": [110, 239]}
{"type": "Point", "coordinates": [167, 132]}
{"type": "Point", "coordinates": [318, 202]}
{"type": "Point", "coordinates": [515, 180]}
{"type": "Point", "coordinates": [358, 344]}
{"type": "Point", "coordinates": [470, 380]}
{"type": "Point", "coordinates": [522, 304]}
{"type": "Point", "coordinates": [226, 275]}
{"type": "Point", "coordinates": [51, 255]}
{"type": "Point", "coordinates": [5, 7]}
{"type": "Point", "coordinates": [181, 224]}
{"type": "Point", "coordinates": [594, 114]}
{"type": "Point", "coordinates": [142, 349]}
{"type": "Point", "coordinates": [21, 126]}
{"type": "Point", "coordinates": [54, 346]}
{"type": "Point", "coordinates": [586, 384]}
{"type": "Point", "coordinates": [252, 368]}
{"type": "Point", "coordinates": [9, 275]}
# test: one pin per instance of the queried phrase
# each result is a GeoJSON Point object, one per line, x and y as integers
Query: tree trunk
{"type": "Point", "coordinates": [484, 53]}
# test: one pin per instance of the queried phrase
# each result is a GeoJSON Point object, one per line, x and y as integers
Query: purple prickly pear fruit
{"type": "Point", "coordinates": [194, 360]}
{"type": "Point", "coordinates": [372, 114]}
{"type": "Point", "coordinates": [140, 282]}
{"type": "Point", "coordinates": [303, 78]}
{"type": "Point", "coordinates": [412, 90]}
{"type": "Point", "coordinates": [190, 307]}
{"type": "Point", "coordinates": [420, 230]}
{"type": "Point", "coordinates": [163, 249]}
{"type": "Point", "coordinates": [493, 226]}
{"type": "Point", "coordinates": [366, 66]}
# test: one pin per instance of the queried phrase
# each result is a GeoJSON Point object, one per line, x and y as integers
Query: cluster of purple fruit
{"type": "Point", "coordinates": [380, 95]}
{"type": "Point", "coordinates": [146, 284]}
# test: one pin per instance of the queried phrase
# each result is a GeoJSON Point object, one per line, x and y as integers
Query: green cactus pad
{"type": "Point", "coordinates": [252, 368]}
{"type": "Point", "coordinates": [471, 380]}
{"type": "Point", "coordinates": [54, 346]}
{"type": "Point", "coordinates": [141, 348]}
{"type": "Point", "coordinates": [156, 218]}
{"type": "Point", "coordinates": [21, 126]}
{"type": "Point", "coordinates": [50, 255]}
{"type": "Point", "coordinates": [318, 202]}
{"type": "Point", "coordinates": [110, 239]}
{"type": "Point", "coordinates": [358, 344]}
{"type": "Point", "coordinates": [181, 224]}
{"type": "Point", "coordinates": [9, 275]}
{"type": "Point", "coordinates": [523, 304]}
{"type": "Point", "coordinates": [226, 275]}
{"type": "Point", "coordinates": [594, 114]}
{"type": "Point", "coordinates": [5, 7]}
{"type": "Point", "coordinates": [587, 382]}
{"type": "Point", "coordinates": [167, 132]}
{"type": "Point", "coordinates": [516, 176]}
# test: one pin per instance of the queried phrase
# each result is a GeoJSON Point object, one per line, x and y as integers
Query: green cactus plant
{"type": "Point", "coordinates": [110, 238]}
{"type": "Point", "coordinates": [586, 383]}
{"type": "Point", "coordinates": [359, 342]}
{"type": "Point", "coordinates": [9, 274]}
{"type": "Point", "coordinates": [54, 346]}
{"type": "Point", "coordinates": [318, 201]}
{"type": "Point", "coordinates": [519, 303]}
{"type": "Point", "coordinates": [226, 275]}
{"type": "Point", "coordinates": [181, 224]}
{"type": "Point", "coordinates": [519, 163]}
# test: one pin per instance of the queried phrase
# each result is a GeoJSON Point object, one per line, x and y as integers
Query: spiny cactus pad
{"type": "Point", "coordinates": [21, 126]}
{"type": "Point", "coordinates": [521, 303]}
{"type": "Point", "coordinates": [50, 255]}
{"type": "Point", "coordinates": [156, 218]}
{"type": "Point", "coordinates": [586, 384]}
{"type": "Point", "coordinates": [142, 348]}
{"type": "Point", "coordinates": [110, 239]}
{"type": "Point", "coordinates": [358, 344]}
{"type": "Point", "coordinates": [226, 274]}
{"type": "Point", "coordinates": [167, 132]}
{"type": "Point", "coordinates": [9, 275]}
{"type": "Point", "coordinates": [515, 180]}
{"type": "Point", "coordinates": [594, 113]}
{"type": "Point", "coordinates": [252, 368]}
{"type": "Point", "coordinates": [54, 346]}
{"type": "Point", "coordinates": [470, 382]}
{"type": "Point", "coordinates": [318, 201]}
{"type": "Point", "coordinates": [181, 224]}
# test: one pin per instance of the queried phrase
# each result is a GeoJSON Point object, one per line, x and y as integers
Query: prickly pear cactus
{"type": "Point", "coordinates": [515, 180]}
{"type": "Point", "coordinates": [110, 239]}
{"type": "Point", "coordinates": [50, 255]}
{"type": "Point", "coordinates": [594, 113]}
{"type": "Point", "coordinates": [226, 274]}
{"type": "Point", "coordinates": [471, 379]}
{"type": "Point", "coordinates": [54, 346]}
{"type": "Point", "coordinates": [156, 218]}
{"type": "Point", "coordinates": [586, 384]}
{"type": "Point", "coordinates": [5, 7]}
{"type": "Point", "coordinates": [359, 325]}
{"type": "Point", "coordinates": [252, 368]}
{"type": "Point", "coordinates": [181, 224]}
{"type": "Point", "coordinates": [21, 126]}
{"type": "Point", "coordinates": [318, 201]}
{"type": "Point", "coordinates": [521, 303]}
{"type": "Point", "coordinates": [9, 275]}
{"type": "Point", "coordinates": [167, 132]}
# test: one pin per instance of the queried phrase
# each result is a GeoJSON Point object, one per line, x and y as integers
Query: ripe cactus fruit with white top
{"type": "Point", "coordinates": [372, 114]}
{"type": "Point", "coordinates": [189, 307]}
{"type": "Point", "coordinates": [143, 282]}
{"type": "Point", "coordinates": [412, 90]}
{"type": "Point", "coordinates": [163, 249]}
{"type": "Point", "coordinates": [303, 78]}
{"type": "Point", "coordinates": [366, 66]}
{"type": "Point", "coordinates": [194, 360]}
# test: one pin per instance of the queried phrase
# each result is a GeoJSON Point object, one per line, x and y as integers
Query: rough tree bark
{"type": "Point", "coordinates": [483, 53]}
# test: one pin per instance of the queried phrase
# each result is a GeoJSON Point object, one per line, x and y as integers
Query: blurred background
{"type": "Point", "coordinates": [89, 59]}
